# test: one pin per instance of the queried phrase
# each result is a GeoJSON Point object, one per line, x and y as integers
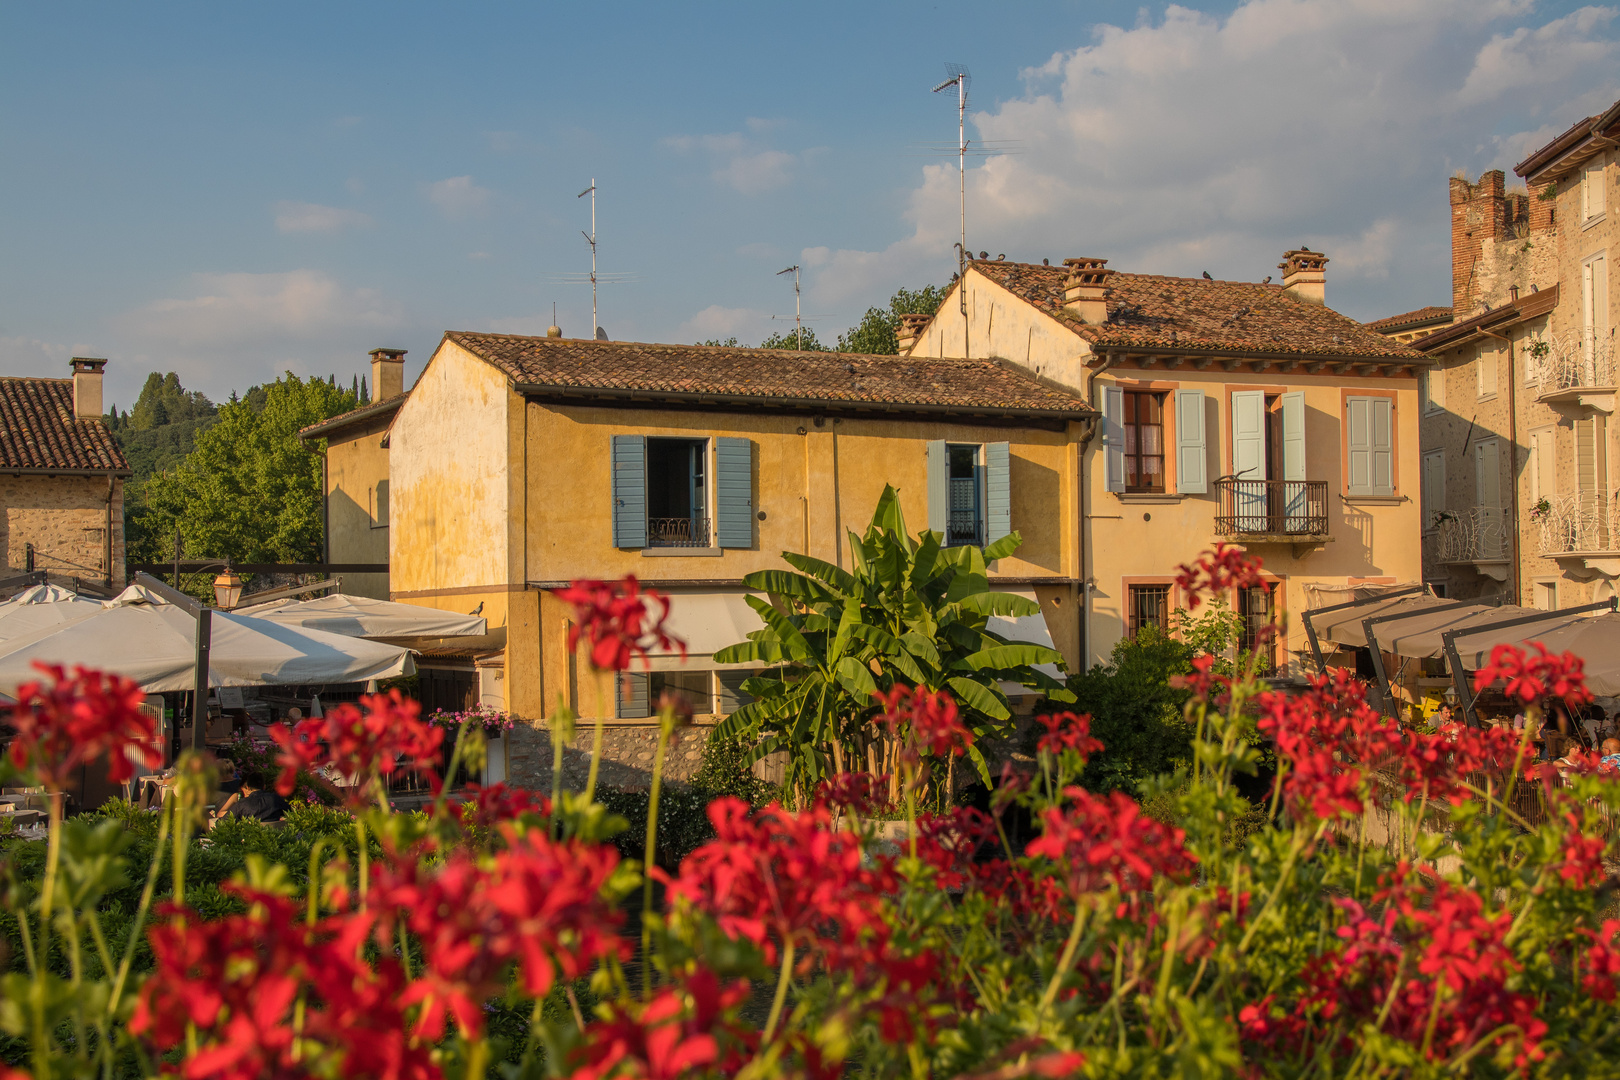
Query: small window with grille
{"type": "Point", "coordinates": [1149, 606]}
{"type": "Point", "coordinates": [1257, 608]}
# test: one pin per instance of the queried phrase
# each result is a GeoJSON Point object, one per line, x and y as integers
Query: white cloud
{"type": "Point", "coordinates": [745, 167]}
{"type": "Point", "coordinates": [240, 308]}
{"type": "Point", "coordinates": [30, 357]}
{"type": "Point", "coordinates": [458, 197]}
{"type": "Point", "coordinates": [715, 321]}
{"type": "Point", "coordinates": [303, 217]}
{"type": "Point", "coordinates": [1201, 142]}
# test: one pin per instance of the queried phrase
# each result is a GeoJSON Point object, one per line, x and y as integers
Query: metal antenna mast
{"type": "Point", "coordinates": [590, 238]}
{"type": "Point", "coordinates": [960, 78]}
{"type": "Point", "coordinates": [798, 321]}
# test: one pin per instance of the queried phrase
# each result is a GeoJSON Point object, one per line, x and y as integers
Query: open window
{"type": "Point", "coordinates": [680, 493]}
{"type": "Point", "coordinates": [677, 493]}
{"type": "Point", "coordinates": [969, 493]}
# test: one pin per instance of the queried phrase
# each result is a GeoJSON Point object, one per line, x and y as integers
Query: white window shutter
{"type": "Point", "coordinates": [1113, 399]}
{"type": "Point", "coordinates": [1358, 440]}
{"type": "Point", "coordinates": [1383, 446]}
{"type": "Point", "coordinates": [1434, 487]}
{"type": "Point", "coordinates": [1192, 449]}
{"type": "Point", "coordinates": [1293, 418]}
{"type": "Point", "coordinates": [1249, 434]}
{"type": "Point", "coordinates": [997, 491]}
{"type": "Point", "coordinates": [939, 487]}
{"type": "Point", "coordinates": [629, 491]}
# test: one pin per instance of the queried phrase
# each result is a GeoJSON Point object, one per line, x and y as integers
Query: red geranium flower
{"type": "Point", "coordinates": [485, 807]}
{"type": "Point", "coordinates": [1531, 677]}
{"type": "Point", "coordinates": [1216, 571]}
{"type": "Point", "coordinates": [1068, 731]}
{"type": "Point", "coordinates": [858, 792]}
{"type": "Point", "coordinates": [930, 716]}
{"type": "Point", "coordinates": [80, 718]}
{"type": "Point", "coordinates": [614, 618]}
{"type": "Point", "coordinates": [388, 736]}
{"type": "Point", "coordinates": [1103, 841]}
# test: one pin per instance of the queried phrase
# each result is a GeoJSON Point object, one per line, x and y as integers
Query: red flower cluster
{"type": "Point", "coordinates": [388, 736]}
{"type": "Point", "coordinates": [930, 715]}
{"type": "Point", "coordinates": [948, 842]}
{"type": "Point", "coordinates": [1216, 571]}
{"type": "Point", "coordinates": [486, 807]}
{"type": "Point", "coordinates": [236, 980]}
{"type": "Point", "coordinates": [776, 877]}
{"type": "Point", "coordinates": [672, 1035]}
{"type": "Point", "coordinates": [1532, 677]}
{"type": "Point", "coordinates": [1107, 841]}
{"type": "Point", "coordinates": [1068, 731]}
{"type": "Point", "coordinates": [857, 792]}
{"type": "Point", "coordinates": [1602, 979]}
{"type": "Point", "coordinates": [613, 617]}
{"type": "Point", "coordinates": [77, 719]}
{"type": "Point", "coordinates": [538, 902]}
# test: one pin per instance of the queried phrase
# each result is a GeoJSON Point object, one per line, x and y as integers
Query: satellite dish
{"type": "Point", "coordinates": [601, 334]}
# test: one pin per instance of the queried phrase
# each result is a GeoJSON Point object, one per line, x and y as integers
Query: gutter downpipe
{"type": "Point", "coordinates": [1085, 517]}
{"type": "Point", "coordinates": [106, 536]}
{"type": "Point", "coordinates": [1513, 435]}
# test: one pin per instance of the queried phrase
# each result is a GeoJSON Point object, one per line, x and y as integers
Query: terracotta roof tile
{"type": "Point", "coordinates": [364, 412]}
{"type": "Point", "coordinates": [833, 379]}
{"type": "Point", "coordinates": [1410, 318]}
{"type": "Point", "coordinates": [1241, 317]}
{"type": "Point", "coordinates": [38, 431]}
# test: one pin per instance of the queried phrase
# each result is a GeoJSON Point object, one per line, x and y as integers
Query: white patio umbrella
{"type": "Point", "coordinates": [43, 606]}
{"type": "Point", "coordinates": [154, 643]}
{"type": "Point", "coordinates": [361, 616]}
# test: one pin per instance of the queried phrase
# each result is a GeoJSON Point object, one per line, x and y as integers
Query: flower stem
{"type": "Point", "coordinates": [781, 992]}
{"type": "Point", "coordinates": [596, 742]}
{"type": "Point", "coordinates": [1069, 947]}
{"type": "Point", "coordinates": [647, 973]}
{"type": "Point", "coordinates": [137, 928]}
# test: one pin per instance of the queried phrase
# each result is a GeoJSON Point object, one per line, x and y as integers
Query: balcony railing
{"type": "Point", "coordinates": [1577, 521]}
{"type": "Point", "coordinates": [1272, 508]}
{"type": "Point", "coordinates": [964, 527]}
{"type": "Point", "coordinates": [678, 532]}
{"type": "Point", "coordinates": [1477, 535]}
{"type": "Point", "coordinates": [1579, 360]}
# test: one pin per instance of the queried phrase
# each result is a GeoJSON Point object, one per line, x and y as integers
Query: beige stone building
{"type": "Point", "coordinates": [1247, 412]}
{"type": "Point", "coordinates": [1519, 494]}
{"type": "Point", "coordinates": [61, 479]}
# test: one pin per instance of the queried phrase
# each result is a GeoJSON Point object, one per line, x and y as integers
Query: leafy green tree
{"type": "Point", "coordinates": [251, 490]}
{"type": "Point", "coordinates": [878, 330]}
{"type": "Point", "coordinates": [729, 343]}
{"type": "Point", "coordinates": [909, 611]}
{"type": "Point", "coordinates": [804, 340]}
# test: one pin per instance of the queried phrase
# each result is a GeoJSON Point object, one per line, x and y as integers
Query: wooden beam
{"type": "Point", "coordinates": [1314, 366]}
{"type": "Point", "coordinates": [1203, 362]}
{"type": "Point", "coordinates": [1173, 362]}
{"type": "Point", "coordinates": [1342, 369]}
{"type": "Point", "coordinates": [1231, 365]}
{"type": "Point", "coordinates": [1262, 365]}
{"type": "Point", "coordinates": [1287, 365]}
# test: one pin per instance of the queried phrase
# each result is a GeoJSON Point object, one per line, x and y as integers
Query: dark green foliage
{"type": "Point", "coordinates": [877, 331]}
{"type": "Point", "coordinates": [729, 343]}
{"type": "Point", "coordinates": [164, 401]}
{"type": "Point", "coordinates": [803, 340]}
{"type": "Point", "coordinates": [1135, 712]}
{"type": "Point", "coordinates": [724, 770]}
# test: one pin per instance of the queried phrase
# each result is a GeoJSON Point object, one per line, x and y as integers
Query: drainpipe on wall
{"type": "Point", "coordinates": [326, 509]}
{"type": "Point", "coordinates": [1513, 470]}
{"type": "Point", "coordinates": [1085, 546]}
{"type": "Point", "coordinates": [106, 537]}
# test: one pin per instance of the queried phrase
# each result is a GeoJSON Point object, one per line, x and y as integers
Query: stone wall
{"type": "Point", "coordinates": [64, 518]}
{"type": "Point", "coordinates": [627, 756]}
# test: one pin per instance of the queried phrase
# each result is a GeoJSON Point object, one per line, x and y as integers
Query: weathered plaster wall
{"type": "Point", "coordinates": [356, 526]}
{"type": "Point", "coordinates": [999, 324]}
{"type": "Point", "coordinates": [449, 476]}
{"type": "Point", "coordinates": [65, 518]}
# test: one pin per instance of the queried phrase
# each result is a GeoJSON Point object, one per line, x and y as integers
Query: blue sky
{"type": "Point", "coordinates": [228, 191]}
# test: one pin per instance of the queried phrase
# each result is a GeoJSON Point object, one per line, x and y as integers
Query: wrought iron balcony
{"type": "Point", "coordinates": [1284, 510]}
{"type": "Point", "coordinates": [964, 527]}
{"type": "Point", "coordinates": [1573, 364]}
{"type": "Point", "coordinates": [1478, 537]}
{"type": "Point", "coordinates": [1577, 522]}
{"type": "Point", "coordinates": [677, 532]}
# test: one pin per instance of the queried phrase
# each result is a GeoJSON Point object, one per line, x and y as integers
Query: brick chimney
{"type": "Point", "coordinates": [387, 373]}
{"type": "Point", "coordinates": [1305, 275]}
{"type": "Point", "coordinates": [87, 388]}
{"type": "Point", "coordinates": [910, 328]}
{"type": "Point", "coordinates": [1085, 290]}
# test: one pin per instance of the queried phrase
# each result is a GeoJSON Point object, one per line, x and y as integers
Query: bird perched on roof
{"type": "Point", "coordinates": [1207, 276]}
{"type": "Point", "coordinates": [1267, 281]}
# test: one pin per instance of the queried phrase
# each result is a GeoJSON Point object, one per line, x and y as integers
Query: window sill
{"type": "Point", "coordinates": [1591, 221]}
{"type": "Point", "coordinates": [681, 553]}
{"type": "Point", "coordinates": [1148, 496]}
{"type": "Point", "coordinates": [1486, 397]}
{"type": "Point", "coordinates": [1374, 500]}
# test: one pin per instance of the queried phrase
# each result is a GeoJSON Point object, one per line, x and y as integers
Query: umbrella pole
{"type": "Point", "coordinates": [199, 696]}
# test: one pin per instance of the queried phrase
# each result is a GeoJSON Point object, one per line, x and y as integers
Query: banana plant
{"type": "Point", "coordinates": [909, 610]}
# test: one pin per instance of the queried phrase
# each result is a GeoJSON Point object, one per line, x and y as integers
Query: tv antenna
{"type": "Point", "coordinates": [590, 238]}
{"type": "Point", "coordinates": [957, 76]}
{"type": "Point", "coordinates": [798, 320]}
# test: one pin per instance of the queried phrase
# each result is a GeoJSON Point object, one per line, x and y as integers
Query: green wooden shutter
{"type": "Point", "coordinates": [734, 492]}
{"type": "Point", "coordinates": [629, 491]}
{"type": "Point", "coordinates": [732, 695]}
{"type": "Point", "coordinates": [997, 491]}
{"type": "Point", "coordinates": [1192, 449]}
{"type": "Point", "coordinates": [939, 487]}
{"type": "Point", "coordinates": [1358, 439]}
{"type": "Point", "coordinates": [632, 695]}
{"type": "Point", "coordinates": [1113, 410]}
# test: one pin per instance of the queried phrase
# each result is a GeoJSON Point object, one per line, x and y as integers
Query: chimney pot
{"type": "Point", "coordinates": [911, 327]}
{"type": "Point", "coordinates": [87, 387]}
{"type": "Point", "coordinates": [387, 373]}
{"type": "Point", "coordinates": [1085, 290]}
{"type": "Point", "coordinates": [1305, 275]}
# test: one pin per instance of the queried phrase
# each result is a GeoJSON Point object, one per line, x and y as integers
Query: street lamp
{"type": "Point", "coordinates": [227, 589]}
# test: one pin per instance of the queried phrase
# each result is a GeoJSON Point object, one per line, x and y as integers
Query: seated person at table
{"type": "Point", "coordinates": [256, 800]}
{"type": "Point", "coordinates": [1611, 752]}
{"type": "Point", "coordinates": [230, 779]}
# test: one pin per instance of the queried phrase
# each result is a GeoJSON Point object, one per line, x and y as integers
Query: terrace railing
{"type": "Point", "coordinates": [678, 532]}
{"type": "Point", "coordinates": [1252, 508]}
{"type": "Point", "coordinates": [1477, 535]}
{"type": "Point", "coordinates": [1577, 521]}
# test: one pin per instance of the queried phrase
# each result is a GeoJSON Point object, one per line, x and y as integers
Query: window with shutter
{"type": "Point", "coordinates": [1485, 374]}
{"type": "Point", "coordinates": [1113, 437]}
{"type": "Point", "coordinates": [1434, 389]}
{"type": "Point", "coordinates": [997, 491]}
{"type": "Point", "coordinates": [731, 694]}
{"type": "Point", "coordinates": [1592, 191]}
{"type": "Point", "coordinates": [734, 492]}
{"type": "Point", "coordinates": [1369, 436]}
{"type": "Point", "coordinates": [1434, 488]}
{"type": "Point", "coordinates": [629, 491]}
{"type": "Point", "coordinates": [1192, 449]}
{"type": "Point", "coordinates": [939, 487]}
{"type": "Point", "coordinates": [632, 695]}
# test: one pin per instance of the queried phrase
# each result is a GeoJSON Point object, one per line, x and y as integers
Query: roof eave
{"type": "Point", "coordinates": [685, 397]}
{"type": "Point", "coordinates": [1258, 356]}
{"type": "Point", "coordinates": [338, 423]}
{"type": "Point", "coordinates": [1521, 310]}
{"type": "Point", "coordinates": [12, 470]}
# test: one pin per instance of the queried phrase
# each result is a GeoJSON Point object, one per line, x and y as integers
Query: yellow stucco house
{"type": "Point", "coordinates": [1240, 411]}
{"type": "Point", "coordinates": [517, 464]}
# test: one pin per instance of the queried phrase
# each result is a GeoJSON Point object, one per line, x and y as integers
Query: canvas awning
{"type": "Point", "coordinates": [708, 622]}
{"type": "Point", "coordinates": [42, 607]}
{"type": "Point", "coordinates": [1423, 633]}
{"type": "Point", "coordinates": [1345, 626]}
{"type": "Point", "coordinates": [1027, 628]}
{"type": "Point", "coordinates": [154, 643]}
{"type": "Point", "coordinates": [364, 617]}
{"type": "Point", "coordinates": [1595, 639]}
